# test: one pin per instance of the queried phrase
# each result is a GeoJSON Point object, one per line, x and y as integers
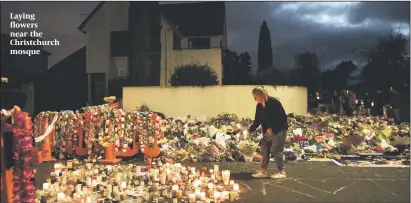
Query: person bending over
{"type": "Point", "coordinates": [271, 115]}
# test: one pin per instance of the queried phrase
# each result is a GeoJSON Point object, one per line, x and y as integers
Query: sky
{"type": "Point", "coordinates": [334, 30]}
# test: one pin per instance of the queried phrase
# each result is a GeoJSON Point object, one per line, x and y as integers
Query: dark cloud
{"type": "Point", "coordinates": [322, 27]}
{"type": "Point", "coordinates": [334, 30]}
{"type": "Point", "coordinates": [385, 11]}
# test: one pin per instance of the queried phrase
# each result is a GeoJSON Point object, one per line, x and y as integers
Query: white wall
{"type": "Point", "coordinates": [210, 101]}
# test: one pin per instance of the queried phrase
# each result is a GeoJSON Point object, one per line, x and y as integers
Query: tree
{"type": "Point", "coordinates": [265, 52]}
{"type": "Point", "coordinates": [194, 74]}
{"type": "Point", "coordinates": [337, 79]}
{"type": "Point", "coordinates": [237, 68]}
{"type": "Point", "coordinates": [155, 44]}
{"type": "Point", "coordinates": [144, 29]}
{"type": "Point", "coordinates": [308, 67]}
{"type": "Point", "coordinates": [388, 62]}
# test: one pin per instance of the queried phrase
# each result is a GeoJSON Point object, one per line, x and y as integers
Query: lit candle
{"type": "Point", "coordinates": [46, 186]}
{"type": "Point", "coordinates": [198, 192]}
{"type": "Point", "coordinates": [60, 196]}
{"type": "Point", "coordinates": [213, 178]}
{"type": "Point", "coordinates": [211, 171]}
{"type": "Point", "coordinates": [191, 198]}
{"type": "Point", "coordinates": [202, 196]}
{"type": "Point", "coordinates": [226, 176]}
{"type": "Point", "coordinates": [88, 200]}
{"type": "Point", "coordinates": [217, 195]}
{"type": "Point", "coordinates": [69, 164]}
{"type": "Point", "coordinates": [78, 188]}
{"type": "Point", "coordinates": [231, 182]}
{"type": "Point", "coordinates": [210, 185]}
{"type": "Point", "coordinates": [196, 183]}
{"type": "Point", "coordinates": [179, 193]}
{"type": "Point", "coordinates": [138, 170]}
{"type": "Point", "coordinates": [224, 195]}
{"type": "Point", "coordinates": [88, 181]}
{"type": "Point", "coordinates": [236, 187]}
{"type": "Point", "coordinates": [124, 185]}
{"type": "Point", "coordinates": [174, 187]}
{"type": "Point", "coordinates": [216, 169]}
{"type": "Point", "coordinates": [163, 178]}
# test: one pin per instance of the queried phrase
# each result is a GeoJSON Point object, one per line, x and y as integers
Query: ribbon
{"type": "Point", "coordinates": [49, 129]}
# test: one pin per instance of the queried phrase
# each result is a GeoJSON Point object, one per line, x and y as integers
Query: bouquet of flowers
{"type": "Point", "coordinates": [247, 148]}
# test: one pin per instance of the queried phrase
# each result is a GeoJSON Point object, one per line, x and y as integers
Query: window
{"type": "Point", "coordinates": [120, 43]}
{"type": "Point", "coordinates": [199, 43]}
{"type": "Point", "coordinates": [176, 41]}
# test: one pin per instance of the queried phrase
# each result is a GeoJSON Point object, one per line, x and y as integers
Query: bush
{"type": "Point", "coordinates": [194, 74]}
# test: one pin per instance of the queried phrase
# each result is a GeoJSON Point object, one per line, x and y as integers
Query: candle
{"type": "Point", "coordinates": [216, 169]}
{"type": "Point", "coordinates": [191, 198]}
{"type": "Point", "coordinates": [175, 200]}
{"type": "Point", "coordinates": [175, 187]}
{"type": "Point", "coordinates": [224, 195]}
{"type": "Point", "coordinates": [78, 188]}
{"type": "Point", "coordinates": [210, 185]}
{"type": "Point", "coordinates": [198, 192]}
{"type": "Point", "coordinates": [196, 183]}
{"type": "Point", "coordinates": [202, 196]}
{"type": "Point", "coordinates": [69, 164]}
{"type": "Point", "coordinates": [88, 200]}
{"type": "Point", "coordinates": [179, 193]}
{"type": "Point", "coordinates": [236, 187]}
{"type": "Point", "coordinates": [123, 185]}
{"type": "Point", "coordinates": [162, 178]}
{"type": "Point", "coordinates": [226, 176]}
{"type": "Point", "coordinates": [211, 171]}
{"type": "Point", "coordinates": [88, 181]}
{"type": "Point", "coordinates": [46, 186]}
{"type": "Point", "coordinates": [138, 170]}
{"type": "Point", "coordinates": [231, 182]}
{"type": "Point", "coordinates": [60, 196]}
{"type": "Point", "coordinates": [217, 195]}
{"type": "Point", "coordinates": [193, 170]}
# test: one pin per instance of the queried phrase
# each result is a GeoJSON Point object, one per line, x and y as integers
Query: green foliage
{"type": "Point", "coordinates": [237, 68]}
{"type": "Point", "coordinates": [194, 74]}
{"type": "Point", "coordinates": [308, 67]}
{"type": "Point", "coordinates": [388, 62]}
{"type": "Point", "coordinates": [337, 79]}
{"type": "Point", "coordinates": [265, 52]}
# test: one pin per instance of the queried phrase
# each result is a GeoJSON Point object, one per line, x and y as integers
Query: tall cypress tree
{"type": "Point", "coordinates": [265, 52]}
{"type": "Point", "coordinates": [144, 29]}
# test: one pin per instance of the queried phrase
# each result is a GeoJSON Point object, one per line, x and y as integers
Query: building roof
{"type": "Point", "coordinates": [191, 19]}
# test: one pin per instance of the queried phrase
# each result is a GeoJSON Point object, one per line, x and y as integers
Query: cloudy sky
{"type": "Point", "coordinates": [334, 30]}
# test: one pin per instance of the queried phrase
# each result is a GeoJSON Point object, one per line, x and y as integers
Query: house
{"type": "Point", "coordinates": [190, 32]}
{"type": "Point", "coordinates": [66, 81]}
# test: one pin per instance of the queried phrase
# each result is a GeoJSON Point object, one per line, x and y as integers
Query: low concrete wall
{"type": "Point", "coordinates": [210, 101]}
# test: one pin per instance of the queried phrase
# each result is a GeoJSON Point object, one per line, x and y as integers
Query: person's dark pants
{"type": "Point", "coordinates": [396, 115]}
{"type": "Point", "coordinates": [368, 112]}
{"type": "Point", "coordinates": [274, 145]}
{"type": "Point", "coordinates": [350, 111]}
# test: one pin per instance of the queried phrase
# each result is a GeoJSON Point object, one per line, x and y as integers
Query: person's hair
{"type": "Point", "coordinates": [260, 90]}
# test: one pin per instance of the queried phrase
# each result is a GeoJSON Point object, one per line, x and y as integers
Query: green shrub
{"type": "Point", "coordinates": [194, 74]}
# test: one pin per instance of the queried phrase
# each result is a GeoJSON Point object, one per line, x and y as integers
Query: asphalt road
{"type": "Point", "coordinates": [310, 182]}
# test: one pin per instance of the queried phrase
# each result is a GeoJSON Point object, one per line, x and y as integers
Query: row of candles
{"type": "Point", "coordinates": [121, 182]}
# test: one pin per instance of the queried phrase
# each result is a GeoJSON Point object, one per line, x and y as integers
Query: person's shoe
{"type": "Point", "coordinates": [278, 175]}
{"type": "Point", "coordinates": [259, 174]}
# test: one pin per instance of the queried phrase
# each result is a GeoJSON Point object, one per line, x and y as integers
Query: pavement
{"type": "Point", "coordinates": [308, 182]}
